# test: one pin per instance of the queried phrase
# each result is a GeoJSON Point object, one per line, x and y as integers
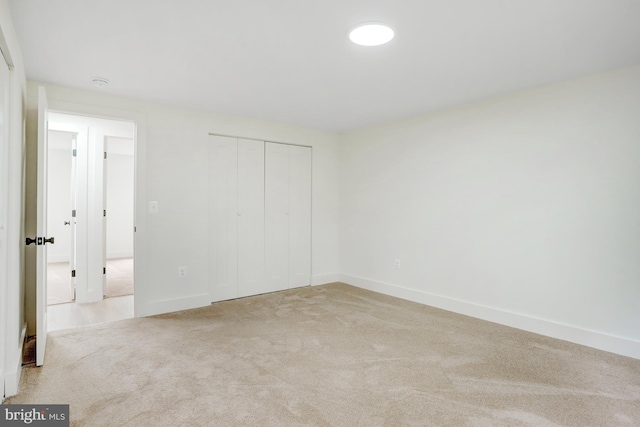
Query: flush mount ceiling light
{"type": "Point", "coordinates": [100, 81]}
{"type": "Point", "coordinates": [371, 34]}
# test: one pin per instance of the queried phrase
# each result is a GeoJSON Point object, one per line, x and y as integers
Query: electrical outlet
{"type": "Point", "coordinates": [182, 271]}
{"type": "Point", "coordinates": [397, 264]}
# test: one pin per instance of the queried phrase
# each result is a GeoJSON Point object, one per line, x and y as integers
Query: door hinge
{"type": "Point", "coordinates": [73, 273]}
{"type": "Point", "coordinates": [104, 212]}
{"type": "Point", "coordinates": [73, 213]}
{"type": "Point", "coordinates": [74, 153]}
{"type": "Point", "coordinates": [105, 155]}
{"type": "Point", "coordinates": [104, 270]}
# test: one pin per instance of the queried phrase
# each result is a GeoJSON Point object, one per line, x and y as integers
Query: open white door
{"type": "Point", "coordinates": [72, 221]}
{"type": "Point", "coordinates": [93, 217]}
{"type": "Point", "coordinates": [104, 215]}
{"type": "Point", "coordinates": [41, 227]}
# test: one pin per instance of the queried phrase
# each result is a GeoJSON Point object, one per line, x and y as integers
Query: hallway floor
{"type": "Point", "coordinates": [119, 280]}
{"type": "Point", "coordinates": [72, 315]}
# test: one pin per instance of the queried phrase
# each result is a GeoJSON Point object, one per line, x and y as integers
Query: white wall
{"type": "Point", "coordinates": [524, 210]}
{"type": "Point", "coordinates": [120, 175]}
{"type": "Point", "coordinates": [12, 316]}
{"type": "Point", "coordinates": [172, 170]}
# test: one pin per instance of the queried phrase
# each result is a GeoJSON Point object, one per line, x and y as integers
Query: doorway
{"type": "Point", "coordinates": [90, 180]}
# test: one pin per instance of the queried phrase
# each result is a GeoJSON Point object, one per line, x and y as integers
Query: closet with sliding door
{"type": "Point", "coordinates": [259, 217]}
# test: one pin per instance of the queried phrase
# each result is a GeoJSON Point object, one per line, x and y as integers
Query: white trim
{"type": "Point", "coordinates": [54, 258]}
{"type": "Point", "coordinates": [153, 308]}
{"type": "Point", "coordinates": [120, 254]}
{"type": "Point", "coordinates": [323, 279]}
{"type": "Point", "coordinates": [5, 142]}
{"type": "Point", "coordinates": [12, 376]}
{"type": "Point", "coordinates": [600, 340]}
{"type": "Point", "coordinates": [258, 139]}
{"type": "Point", "coordinates": [5, 52]}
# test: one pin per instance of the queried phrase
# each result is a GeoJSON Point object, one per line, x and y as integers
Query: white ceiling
{"type": "Point", "coordinates": [291, 61]}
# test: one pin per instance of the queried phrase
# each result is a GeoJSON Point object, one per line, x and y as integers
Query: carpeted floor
{"type": "Point", "coordinates": [119, 277]}
{"type": "Point", "coordinates": [58, 283]}
{"type": "Point", "coordinates": [331, 355]}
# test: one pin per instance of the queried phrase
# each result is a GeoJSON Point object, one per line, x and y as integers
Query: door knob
{"type": "Point", "coordinates": [39, 241]}
{"type": "Point", "coordinates": [67, 223]}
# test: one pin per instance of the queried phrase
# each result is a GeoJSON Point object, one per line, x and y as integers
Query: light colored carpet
{"type": "Point", "coordinates": [119, 280]}
{"type": "Point", "coordinates": [331, 355]}
{"type": "Point", "coordinates": [119, 277]}
{"type": "Point", "coordinates": [58, 283]}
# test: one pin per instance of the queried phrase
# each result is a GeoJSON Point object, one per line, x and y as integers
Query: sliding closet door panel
{"type": "Point", "coordinates": [250, 217]}
{"type": "Point", "coordinates": [223, 218]}
{"type": "Point", "coordinates": [277, 216]}
{"type": "Point", "coordinates": [300, 217]}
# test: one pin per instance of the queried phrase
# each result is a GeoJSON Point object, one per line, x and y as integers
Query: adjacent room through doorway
{"type": "Point", "coordinates": [90, 180]}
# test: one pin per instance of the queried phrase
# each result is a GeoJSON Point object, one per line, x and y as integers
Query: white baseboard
{"type": "Point", "coordinates": [119, 254]}
{"type": "Point", "coordinates": [323, 279]}
{"type": "Point", "coordinates": [170, 305]}
{"type": "Point", "coordinates": [586, 337]}
{"type": "Point", "coordinates": [51, 258]}
{"type": "Point", "coordinates": [14, 369]}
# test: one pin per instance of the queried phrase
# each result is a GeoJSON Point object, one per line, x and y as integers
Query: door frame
{"type": "Point", "coordinates": [12, 314]}
{"type": "Point", "coordinates": [140, 150]}
{"type": "Point", "coordinates": [72, 219]}
{"type": "Point", "coordinates": [41, 226]}
{"type": "Point", "coordinates": [4, 215]}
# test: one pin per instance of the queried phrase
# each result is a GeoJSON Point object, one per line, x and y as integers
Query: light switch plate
{"type": "Point", "coordinates": [182, 271]}
{"type": "Point", "coordinates": [153, 207]}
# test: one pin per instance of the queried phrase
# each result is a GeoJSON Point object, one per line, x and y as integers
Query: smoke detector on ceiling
{"type": "Point", "coordinates": [100, 81]}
